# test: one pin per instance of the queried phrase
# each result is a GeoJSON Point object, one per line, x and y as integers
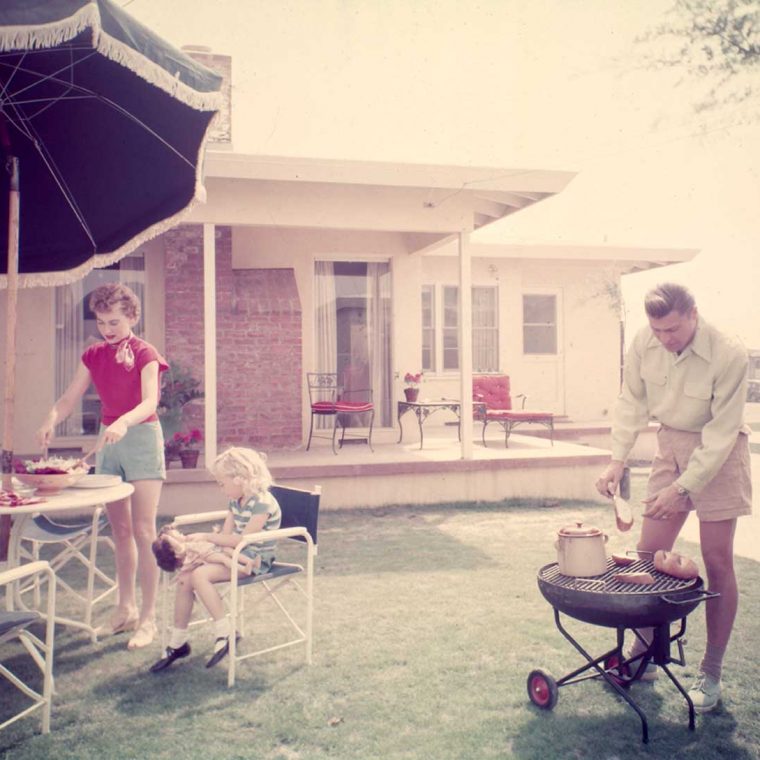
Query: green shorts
{"type": "Point", "coordinates": [139, 455]}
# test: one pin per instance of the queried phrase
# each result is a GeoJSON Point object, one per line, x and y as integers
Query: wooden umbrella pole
{"type": "Point", "coordinates": [11, 295]}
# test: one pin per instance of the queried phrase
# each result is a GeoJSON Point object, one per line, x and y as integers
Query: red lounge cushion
{"type": "Point", "coordinates": [354, 406]}
{"type": "Point", "coordinates": [493, 390]}
{"type": "Point", "coordinates": [323, 407]}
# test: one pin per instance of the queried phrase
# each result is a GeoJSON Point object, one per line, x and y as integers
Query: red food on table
{"type": "Point", "coordinates": [13, 499]}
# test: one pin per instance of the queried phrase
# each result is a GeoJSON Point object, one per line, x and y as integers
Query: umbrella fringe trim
{"type": "Point", "coordinates": [124, 55]}
{"type": "Point", "coordinates": [44, 36]}
{"type": "Point", "coordinates": [100, 260]}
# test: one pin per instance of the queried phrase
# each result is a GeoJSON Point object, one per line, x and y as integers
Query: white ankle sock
{"type": "Point", "coordinates": [221, 630]}
{"type": "Point", "coordinates": [178, 637]}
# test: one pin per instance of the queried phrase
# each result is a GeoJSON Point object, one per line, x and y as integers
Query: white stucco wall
{"type": "Point", "coordinates": [35, 379]}
{"type": "Point", "coordinates": [581, 380]}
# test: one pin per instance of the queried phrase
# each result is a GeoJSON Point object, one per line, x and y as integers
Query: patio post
{"type": "Point", "coordinates": [209, 342]}
{"type": "Point", "coordinates": [465, 343]}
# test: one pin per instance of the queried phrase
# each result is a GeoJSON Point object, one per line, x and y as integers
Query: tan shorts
{"type": "Point", "coordinates": [726, 496]}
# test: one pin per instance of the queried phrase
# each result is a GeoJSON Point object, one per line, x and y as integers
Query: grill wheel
{"type": "Point", "coordinates": [542, 689]}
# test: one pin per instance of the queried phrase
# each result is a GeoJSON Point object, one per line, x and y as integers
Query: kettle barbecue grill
{"type": "Point", "coordinates": [606, 601]}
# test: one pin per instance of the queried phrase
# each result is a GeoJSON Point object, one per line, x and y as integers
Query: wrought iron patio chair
{"type": "Point", "coordinates": [327, 398]}
{"type": "Point", "coordinates": [300, 516]}
{"type": "Point", "coordinates": [14, 626]}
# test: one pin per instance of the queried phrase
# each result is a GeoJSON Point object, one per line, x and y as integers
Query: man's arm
{"type": "Point", "coordinates": [630, 416]}
{"type": "Point", "coordinates": [631, 413]}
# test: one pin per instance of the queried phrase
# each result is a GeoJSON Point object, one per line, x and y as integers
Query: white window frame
{"type": "Point", "coordinates": [438, 328]}
{"type": "Point", "coordinates": [557, 322]}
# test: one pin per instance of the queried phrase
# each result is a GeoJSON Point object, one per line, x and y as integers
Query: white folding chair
{"type": "Point", "coordinates": [14, 625]}
{"type": "Point", "coordinates": [78, 542]}
{"type": "Point", "coordinates": [300, 515]}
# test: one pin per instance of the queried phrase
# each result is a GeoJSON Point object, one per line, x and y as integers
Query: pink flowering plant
{"type": "Point", "coordinates": [413, 379]}
{"type": "Point", "coordinates": [184, 442]}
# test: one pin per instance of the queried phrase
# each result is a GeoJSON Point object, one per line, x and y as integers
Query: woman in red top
{"type": "Point", "coordinates": [125, 371]}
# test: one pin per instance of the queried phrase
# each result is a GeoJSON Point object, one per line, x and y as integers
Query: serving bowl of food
{"type": "Point", "coordinates": [49, 475]}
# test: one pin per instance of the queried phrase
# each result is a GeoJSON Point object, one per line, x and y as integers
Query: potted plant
{"type": "Point", "coordinates": [186, 446]}
{"type": "Point", "coordinates": [412, 381]}
{"type": "Point", "coordinates": [179, 388]}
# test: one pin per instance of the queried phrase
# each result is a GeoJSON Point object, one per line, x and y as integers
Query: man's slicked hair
{"type": "Point", "coordinates": [666, 297]}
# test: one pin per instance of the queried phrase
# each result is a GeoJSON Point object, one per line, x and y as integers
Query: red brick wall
{"type": "Point", "coordinates": [258, 339]}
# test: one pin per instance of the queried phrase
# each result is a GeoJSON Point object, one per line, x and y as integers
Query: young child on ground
{"type": "Point", "coordinates": [176, 551]}
{"type": "Point", "coordinates": [244, 478]}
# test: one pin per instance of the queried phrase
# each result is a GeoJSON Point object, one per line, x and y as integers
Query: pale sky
{"type": "Point", "coordinates": [546, 84]}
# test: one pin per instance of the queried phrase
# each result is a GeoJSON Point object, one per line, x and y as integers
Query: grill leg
{"type": "Point", "coordinates": [661, 646]}
{"type": "Point", "coordinates": [619, 689]}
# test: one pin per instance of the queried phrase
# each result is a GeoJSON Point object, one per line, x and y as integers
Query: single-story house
{"type": "Point", "coordinates": [297, 265]}
{"type": "Point", "coordinates": [367, 269]}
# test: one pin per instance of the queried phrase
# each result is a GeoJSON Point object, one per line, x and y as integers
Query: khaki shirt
{"type": "Point", "coordinates": [702, 389]}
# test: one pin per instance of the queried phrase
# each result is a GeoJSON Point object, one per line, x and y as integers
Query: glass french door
{"type": "Point", "coordinates": [353, 325]}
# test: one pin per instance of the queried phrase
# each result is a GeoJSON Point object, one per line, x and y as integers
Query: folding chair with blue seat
{"type": "Point", "coordinates": [300, 516]}
{"type": "Point", "coordinates": [75, 539]}
{"type": "Point", "coordinates": [14, 625]}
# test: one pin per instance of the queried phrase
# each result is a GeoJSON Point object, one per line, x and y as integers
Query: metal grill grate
{"type": "Point", "coordinates": [605, 584]}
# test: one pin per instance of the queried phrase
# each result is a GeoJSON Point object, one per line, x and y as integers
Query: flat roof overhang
{"type": "Point", "coordinates": [427, 204]}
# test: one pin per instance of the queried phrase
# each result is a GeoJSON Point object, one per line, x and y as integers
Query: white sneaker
{"type": "Point", "coordinates": [705, 693]}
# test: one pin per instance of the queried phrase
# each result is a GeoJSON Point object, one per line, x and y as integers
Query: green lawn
{"type": "Point", "coordinates": [428, 621]}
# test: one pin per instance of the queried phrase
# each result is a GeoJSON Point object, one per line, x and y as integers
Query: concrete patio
{"type": "Point", "coordinates": [397, 473]}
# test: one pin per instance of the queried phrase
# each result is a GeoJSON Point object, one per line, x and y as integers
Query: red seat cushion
{"type": "Point", "coordinates": [354, 406]}
{"type": "Point", "coordinates": [323, 407]}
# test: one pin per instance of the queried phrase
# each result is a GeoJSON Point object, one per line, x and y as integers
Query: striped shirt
{"type": "Point", "coordinates": [242, 514]}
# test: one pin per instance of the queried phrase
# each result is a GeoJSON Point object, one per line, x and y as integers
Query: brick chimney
{"type": "Point", "coordinates": [220, 136]}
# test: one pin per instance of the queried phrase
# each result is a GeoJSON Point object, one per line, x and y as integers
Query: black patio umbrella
{"type": "Point", "coordinates": [102, 133]}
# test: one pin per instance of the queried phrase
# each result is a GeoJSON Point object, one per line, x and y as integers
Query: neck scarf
{"type": "Point", "coordinates": [125, 355]}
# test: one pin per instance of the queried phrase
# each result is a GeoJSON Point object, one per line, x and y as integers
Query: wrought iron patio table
{"type": "Point", "coordinates": [423, 409]}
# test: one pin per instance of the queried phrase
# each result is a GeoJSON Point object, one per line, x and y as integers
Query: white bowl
{"type": "Point", "coordinates": [50, 483]}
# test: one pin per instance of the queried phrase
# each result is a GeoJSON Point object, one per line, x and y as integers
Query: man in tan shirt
{"type": "Point", "coordinates": [692, 379]}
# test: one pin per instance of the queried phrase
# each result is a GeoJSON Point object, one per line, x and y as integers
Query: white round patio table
{"type": "Point", "coordinates": [69, 500]}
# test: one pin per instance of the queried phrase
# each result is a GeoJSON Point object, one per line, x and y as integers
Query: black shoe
{"type": "Point", "coordinates": [171, 655]}
{"type": "Point", "coordinates": [220, 654]}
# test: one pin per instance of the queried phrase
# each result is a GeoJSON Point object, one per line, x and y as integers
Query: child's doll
{"type": "Point", "coordinates": [175, 551]}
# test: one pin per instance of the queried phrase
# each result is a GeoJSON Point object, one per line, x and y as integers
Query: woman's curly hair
{"type": "Point", "coordinates": [106, 297]}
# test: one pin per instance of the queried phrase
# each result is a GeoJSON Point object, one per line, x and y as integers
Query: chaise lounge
{"type": "Point", "coordinates": [493, 403]}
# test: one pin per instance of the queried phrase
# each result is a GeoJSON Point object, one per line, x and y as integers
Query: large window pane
{"type": "Point", "coordinates": [428, 328]}
{"type": "Point", "coordinates": [485, 332]}
{"type": "Point", "coordinates": [540, 324]}
{"type": "Point", "coordinates": [450, 328]}
{"type": "Point", "coordinates": [353, 321]}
